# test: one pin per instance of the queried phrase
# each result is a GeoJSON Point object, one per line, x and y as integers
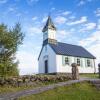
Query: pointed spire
{"type": "Point", "coordinates": [49, 25]}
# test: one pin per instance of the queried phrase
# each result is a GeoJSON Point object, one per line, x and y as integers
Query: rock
{"type": "Point", "coordinates": [75, 71]}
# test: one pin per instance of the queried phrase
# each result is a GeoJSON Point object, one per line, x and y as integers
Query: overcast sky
{"type": "Point", "coordinates": [77, 22]}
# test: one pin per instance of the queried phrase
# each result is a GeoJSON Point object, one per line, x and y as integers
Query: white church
{"type": "Point", "coordinates": [57, 57]}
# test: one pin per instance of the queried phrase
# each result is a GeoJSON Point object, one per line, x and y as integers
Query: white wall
{"type": "Point", "coordinates": [49, 55]}
{"type": "Point", "coordinates": [51, 34]}
{"type": "Point", "coordinates": [55, 63]}
{"type": "Point", "coordinates": [67, 68]}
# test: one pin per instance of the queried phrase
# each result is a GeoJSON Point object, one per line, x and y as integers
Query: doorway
{"type": "Point", "coordinates": [46, 66]}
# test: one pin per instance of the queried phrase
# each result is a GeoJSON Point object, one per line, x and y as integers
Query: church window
{"type": "Point", "coordinates": [88, 63]}
{"type": "Point", "coordinates": [66, 60]}
{"type": "Point", "coordinates": [78, 62]}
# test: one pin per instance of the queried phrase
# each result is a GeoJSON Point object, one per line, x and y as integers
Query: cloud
{"type": "Point", "coordinates": [44, 19]}
{"type": "Point", "coordinates": [3, 1]}
{"type": "Point", "coordinates": [30, 2]}
{"type": "Point", "coordinates": [94, 38]}
{"type": "Point", "coordinates": [18, 14]}
{"type": "Point", "coordinates": [60, 20]}
{"type": "Point", "coordinates": [82, 20]}
{"type": "Point", "coordinates": [28, 63]}
{"type": "Point", "coordinates": [34, 18]}
{"type": "Point", "coordinates": [33, 1]}
{"type": "Point", "coordinates": [52, 9]}
{"type": "Point", "coordinates": [98, 25]}
{"type": "Point", "coordinates": [90, 0]}
{"type": "Point", "coordinates": [34, 30]}
{"type": "Point", "coordinates": [63, 32]}
{"type": "Point", "coordinates": [66, 13]}
{"type": "Point", "coordinates": [12, 9]}
{"type": "Point", "coordinates": [17, 0]}
{"type": "Point", "coordinates": [92, 43]}
{"type": "Point", "coordinates": [97, 12]}
{"type": "Point", "coordinates": [82, 2]}
{"type": "Point", "coordinates": [72, 17]}
{"type": "Point", "coordinates": [95, 50]}
{"type": "Point", "coordinates": [88, 27]}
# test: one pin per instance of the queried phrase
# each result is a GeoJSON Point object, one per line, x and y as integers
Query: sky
{"type": "Point", "coordinates": [77, 22]}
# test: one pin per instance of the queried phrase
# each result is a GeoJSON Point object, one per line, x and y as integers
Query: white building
{"type": "Point", "coordinates": [57, 57]}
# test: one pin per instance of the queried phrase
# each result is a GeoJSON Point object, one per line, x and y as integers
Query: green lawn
{"type": "Point", "coordinates": [8, 89]}
{"type": "Point", "coordinates": [90, 75]}
{"type": "Point", "coordinates": [80, 91]}
{"type": "Point", "coordinates": [38, 81]}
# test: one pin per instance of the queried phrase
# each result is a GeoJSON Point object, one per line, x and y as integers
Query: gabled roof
{"type": "Point", "coordinates": [49, 25]}
{"type": "Point", "coordinates": [71, 50]}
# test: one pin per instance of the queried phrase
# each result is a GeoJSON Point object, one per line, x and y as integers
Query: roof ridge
{"type": "Point", "coordinates": [70, 44]}
{"type": "Point", "coordinates": [72, 50]}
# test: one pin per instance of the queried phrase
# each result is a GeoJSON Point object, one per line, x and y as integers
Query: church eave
{"type": "Point", "coordinates": [45, 29]}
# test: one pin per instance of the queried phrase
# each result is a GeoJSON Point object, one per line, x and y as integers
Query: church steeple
{"type": "Point", "coordinates": [49, 25]}
{"type": "Point", "coordinates": [49, 32]}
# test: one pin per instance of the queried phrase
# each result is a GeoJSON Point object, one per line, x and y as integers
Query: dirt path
{"type": "Point", "coordinates": [14, 96]}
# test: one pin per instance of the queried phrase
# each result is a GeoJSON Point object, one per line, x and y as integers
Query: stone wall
{"type": "Point", "coordinates": [30, 80]}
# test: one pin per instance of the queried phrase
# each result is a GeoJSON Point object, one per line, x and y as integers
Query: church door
{"type": "Point", "coordinates": [46, 66]}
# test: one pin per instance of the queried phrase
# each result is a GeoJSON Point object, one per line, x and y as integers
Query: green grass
{"type": "Point", "coordinates": [49, 79]}
{"type": "Point", "coordinates": [90, 75]}
{"type": "Point", "coordinates": [9, 89]}
{"type": "Point", "coordinates": [80, 91]}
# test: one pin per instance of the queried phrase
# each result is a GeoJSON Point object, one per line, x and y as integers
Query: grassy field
{"type": "Point", "coordinates": [80, 91]}
{"type": "Point", "coordinates": [8, 89]}
{"type": "Point", "coordinates": [38, 81]}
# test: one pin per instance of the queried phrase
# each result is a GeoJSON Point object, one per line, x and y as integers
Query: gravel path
{"type": "Point", "coordinates": [14, 96]}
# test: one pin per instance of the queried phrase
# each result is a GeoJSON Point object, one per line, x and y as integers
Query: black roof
{"type": "Point", "coordinates": [49, 24]}
{"type": "Point", "coordinates": [71, 50]}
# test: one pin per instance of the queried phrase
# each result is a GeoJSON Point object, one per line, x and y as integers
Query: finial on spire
{"type": "Point", "coordinates": [49, 14]}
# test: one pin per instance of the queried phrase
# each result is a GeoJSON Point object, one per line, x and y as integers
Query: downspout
{"type": "Point", "coordinates": [94, 66]}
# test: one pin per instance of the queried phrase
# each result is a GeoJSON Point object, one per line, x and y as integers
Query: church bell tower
{"type": "Point", "coordinates": [49, 32]}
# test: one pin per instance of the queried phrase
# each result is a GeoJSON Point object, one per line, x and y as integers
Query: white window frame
{"type": "Point", "coordinates": [78, 61]}
{"type": "Point", "coordinates": [64, 61]}
{"type": "Point", "coordinates": [89, 64]}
